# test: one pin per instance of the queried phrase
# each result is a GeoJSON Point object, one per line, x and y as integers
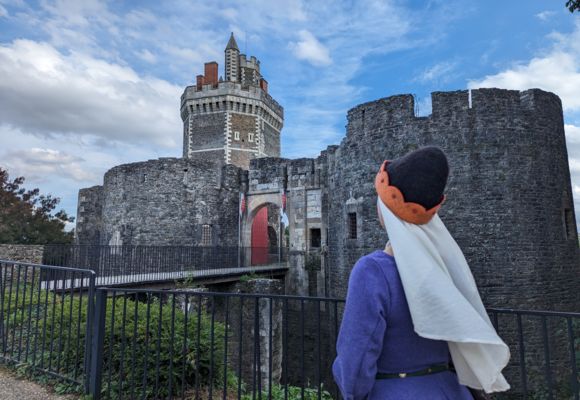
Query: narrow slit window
{"type": "Point", "coordinates": [352, 230]}
{"type": "Point", "coordinates": [569, 223]}
{"type": "Point", "coordinates": [236, 135]}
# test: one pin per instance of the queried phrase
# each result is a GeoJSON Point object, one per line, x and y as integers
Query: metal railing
{"type": "Point", "coordinates": [545, 353]}
{"type": "Point", "coordinates": [213, 345]}
{"type": "Point", "coordinates": [123, 265]}
{"type": "Point", "coordinates": [41, 326]}
{"type": "Point", "coordinates": [183, 344]}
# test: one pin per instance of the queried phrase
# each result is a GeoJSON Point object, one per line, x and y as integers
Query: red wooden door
{"type": "Point", "coordinates": [260, 242]}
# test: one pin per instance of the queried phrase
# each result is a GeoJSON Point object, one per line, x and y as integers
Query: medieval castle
{"type": "Point", "coordinates": [509, 200]}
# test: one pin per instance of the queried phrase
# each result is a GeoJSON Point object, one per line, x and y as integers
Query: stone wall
{"type": "Point", "coordinates": [205, 131]}
{"type": "Point", "coordinates": [508, 196]}
{"type": "Point", "coordinates": [22, 252]}
{"type": "Point", "coordinates": [89, 215]}
{"type": "Point", "coordinates": [168, 201]}
{"type": "Point", "coordinates": [243, 137]}
{"type": "Point", "coordinates": [271, 139]}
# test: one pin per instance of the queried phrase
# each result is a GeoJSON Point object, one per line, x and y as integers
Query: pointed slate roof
{"type": "Point", "coordinates": [232, 43]}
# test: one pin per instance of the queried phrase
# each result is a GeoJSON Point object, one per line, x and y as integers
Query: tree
{"type": "Point", "coordinates": [27, 217]}
{"type": "Point", "coordinates": [573, 5]}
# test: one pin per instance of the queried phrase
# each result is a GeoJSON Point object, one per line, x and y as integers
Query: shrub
{"type": "Point", "coordinates": [146, 351]}
{"type": "Point", "coordinates": [294, 393]}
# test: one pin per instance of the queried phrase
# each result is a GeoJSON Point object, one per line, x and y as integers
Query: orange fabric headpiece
{"type": "Point", "coordinates": [392, 197]}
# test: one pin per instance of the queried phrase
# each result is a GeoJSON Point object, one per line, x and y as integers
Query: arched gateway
{"type": "Point", "coordinates": [261, 228]}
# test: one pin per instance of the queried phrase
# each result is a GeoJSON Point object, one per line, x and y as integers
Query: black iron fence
{"type": "Point", "coordinates": [119, 265]}
{"type": "Point", "coordinates": [213, 345]}
{"type": "Point", "coordinates": [545, 353]}
{"type": "Point", "coordinates": [184, 344]}
{"type": "Point", "coordinates": [43, 325]}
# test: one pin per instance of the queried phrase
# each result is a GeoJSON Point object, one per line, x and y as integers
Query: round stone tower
{"type": "Point", "coordinates": [509, 199]}
{"type": "Point", "coordinates": [232, 120]}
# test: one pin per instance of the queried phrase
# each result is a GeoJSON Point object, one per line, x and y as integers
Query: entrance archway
{"type": "Point", "coordinates": [265, 232]}
{"type": "Point", "coordinates": [261, 229]}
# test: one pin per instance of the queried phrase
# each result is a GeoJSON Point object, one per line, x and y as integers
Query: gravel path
{"type": "Point", "coordinates": [15, 388]}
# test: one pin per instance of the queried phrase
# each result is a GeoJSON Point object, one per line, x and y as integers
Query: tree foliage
{"type": "Point", "coordinates": [28, 217]}
{"type": "Point", "coordinates": [573, 5]}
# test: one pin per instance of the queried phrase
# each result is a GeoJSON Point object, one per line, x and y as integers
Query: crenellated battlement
{"type": "Point", "coordinates": [253, 62]}
{"type": "Point", "coordinates": [210, 92]}
{"type": "Point", "coordinates": [452, 106]}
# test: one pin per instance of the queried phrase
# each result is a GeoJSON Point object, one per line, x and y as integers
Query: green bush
{"type": "Point", "coordinates": [149, 355]}
{"type": "Point", "coordinates": [294, 393]}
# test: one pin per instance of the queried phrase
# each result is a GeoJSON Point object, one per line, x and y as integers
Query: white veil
{"type": "Point", "coordinates": [444, 301]}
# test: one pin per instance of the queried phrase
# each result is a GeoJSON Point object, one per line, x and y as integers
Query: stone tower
{"type": "Point", "coordinates": [232, 120]}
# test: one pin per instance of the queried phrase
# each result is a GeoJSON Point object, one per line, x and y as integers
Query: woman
{"type": "Point", "coordinates": [414, 326]}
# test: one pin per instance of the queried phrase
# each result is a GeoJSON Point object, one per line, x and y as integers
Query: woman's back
{"type": "Point", "coordinates": [377, 336]}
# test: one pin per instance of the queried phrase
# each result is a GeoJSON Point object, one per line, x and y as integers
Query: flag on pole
{"type": "Point", "coordinates": [242, 204]}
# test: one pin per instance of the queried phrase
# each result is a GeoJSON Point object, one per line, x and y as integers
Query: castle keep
{"type": "Point", "coordinates": [509, 199]}
{"type": "Point", "coordinates": [233, 120]}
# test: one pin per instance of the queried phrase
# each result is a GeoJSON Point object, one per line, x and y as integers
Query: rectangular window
{"type": "Point", "coordinates": [352, 231]}
{"type": "Point", "coordinates": [250, 137]}
{"type": "Point", "coordinates": [236, 135]}
{"type": "Point", "coordinates": [206, 235]}
{"type": "Point", "coordinates": [315, 237]}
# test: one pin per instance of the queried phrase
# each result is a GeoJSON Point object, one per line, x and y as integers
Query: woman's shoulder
{"type": "Point", "coordinates": [378, 258]}
{"type": "Point", "coordinates": [377, 262]}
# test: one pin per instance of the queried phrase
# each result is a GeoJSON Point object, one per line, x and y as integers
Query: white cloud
{"type": "Point", "coordinates": [47, 92]}
{"type": "Point", "coordinates": [308, 48]}
{"type": "Point", "coordinates": [3, 11]}
{"type": "Point", "coordinates": [573, 146]}
{"type": "Point", "coordinates": [147, 56]}
{"type": "Point", "coordinates": [38, 164]}
{"type": "Point", "coordinates": [439, 73]}
{"type": "Point", "coordinates": [62, 164]}
{"type": "Point", "coordinates": [545, 15]}
{"type": "Point", "coordinates": [572, 133]}
{"type": "Point", "coordinates": [556, 71]}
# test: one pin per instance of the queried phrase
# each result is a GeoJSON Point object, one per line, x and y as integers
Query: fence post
{"type": "Point", "coordinates": [2, 333]}
{"type": "Point", "coordinates": [96, 353]}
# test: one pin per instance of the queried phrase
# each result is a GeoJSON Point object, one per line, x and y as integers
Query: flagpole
{"type": "Point", "coordinates": [240, 230]}
{"type": "Point", "coordinates": [280, 226]}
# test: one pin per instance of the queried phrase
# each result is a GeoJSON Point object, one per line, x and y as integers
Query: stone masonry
{"type": "Point", "coordinates": [234, 120]}
{"type": "Point", "coordinates": [509, 201]}
{"type": "Point", "coordinates": [509, 198]}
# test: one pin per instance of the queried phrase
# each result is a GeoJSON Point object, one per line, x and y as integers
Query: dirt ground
{"type": "Point", "coordinates": [14, 388]}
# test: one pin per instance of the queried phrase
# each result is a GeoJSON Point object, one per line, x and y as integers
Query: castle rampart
{"type": "Point", "coordinates": [171, 201]}
{"type": "Point", "coordinates": [509, 191]}
{"type": "Point", "coordinates": [509, 197]}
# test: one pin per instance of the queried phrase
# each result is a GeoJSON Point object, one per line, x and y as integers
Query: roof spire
{"type": "Point", "coordinates": [232, 43]}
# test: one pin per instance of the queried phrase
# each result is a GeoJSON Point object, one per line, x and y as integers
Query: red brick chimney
{"type": "Point", "coordinates": [264, 85]}
{"type": "Point", "coordinates": [199, 81]}
{"type": "Point", "coordinates": [211, 73]}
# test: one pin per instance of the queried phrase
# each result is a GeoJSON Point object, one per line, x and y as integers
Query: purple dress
{"type": "Point", "coordinates": [376, 335]}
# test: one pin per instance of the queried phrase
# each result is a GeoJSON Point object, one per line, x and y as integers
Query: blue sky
{"type": "Point", "coordinates": [87, 85]}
